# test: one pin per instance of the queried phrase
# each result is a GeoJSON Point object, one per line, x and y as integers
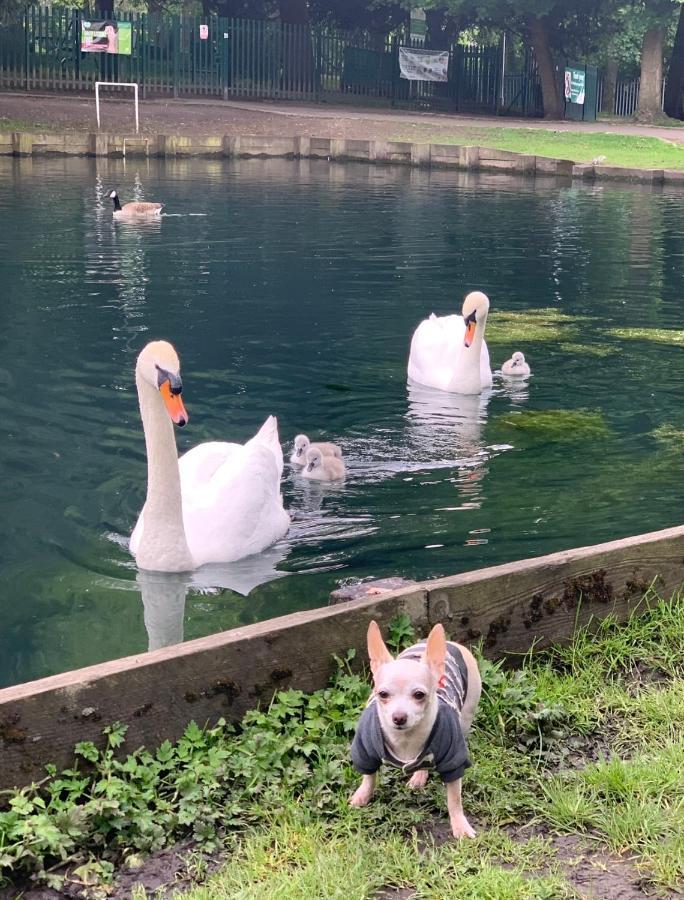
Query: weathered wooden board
{"type": "Point", "coordinates": [535, 602]}
{"type": "Point", "coordinates": [156, 694]}
{"type": "Point", "coordinates": [510, 608]}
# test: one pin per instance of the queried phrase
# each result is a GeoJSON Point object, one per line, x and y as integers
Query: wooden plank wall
{"type": "Point", "coordinates": [509, 608]}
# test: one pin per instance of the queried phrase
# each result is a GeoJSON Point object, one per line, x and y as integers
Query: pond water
{"type": "Point", "coordinates": [293, 288]}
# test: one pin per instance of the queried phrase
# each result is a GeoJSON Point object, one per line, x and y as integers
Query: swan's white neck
{"type": "Point", "coordinates": [469, 379]}
{"type": "Point", "coordinates": [163, 545]}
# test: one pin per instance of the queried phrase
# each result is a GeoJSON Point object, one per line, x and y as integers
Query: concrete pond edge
{"type": "Point", "coordinates": [509, 609]}
{"type": "Point", "coordinates": [443, 156]}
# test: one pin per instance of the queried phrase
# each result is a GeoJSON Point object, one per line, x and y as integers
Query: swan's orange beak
{"type": "Point", "coordinates": [469, 334]}
{"type": "Point", "coordinates": [174, 404]}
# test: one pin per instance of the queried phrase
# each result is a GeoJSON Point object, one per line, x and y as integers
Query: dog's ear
{"type": "Point", "coordinates": [435, 653]}
{"type": "Point", "coordinates": [377, 651]}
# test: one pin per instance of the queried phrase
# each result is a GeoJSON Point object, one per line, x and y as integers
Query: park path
{"type": "Point", "coordinates": [285, 118]}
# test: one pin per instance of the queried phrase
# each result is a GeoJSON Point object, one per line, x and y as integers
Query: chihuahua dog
{"type": "Point", "coordinates": [418, 715]}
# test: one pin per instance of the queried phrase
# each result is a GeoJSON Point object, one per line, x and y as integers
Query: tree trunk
{"type": "Point", "coordinates": [651, 74]}
{"type": "Point", "coordinates": [674, 89]}
{"type": "Point", "coordinates": [609, 86]}
{"type": "Point", "coordinates": [539, 37]}
{"type": "Point", "coordinates": [436, 38]}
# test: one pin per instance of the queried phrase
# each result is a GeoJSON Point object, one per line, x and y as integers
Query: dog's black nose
{"type": "Point", "coordinates": [399, 719]}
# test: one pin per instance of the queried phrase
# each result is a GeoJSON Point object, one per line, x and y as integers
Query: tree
{"type": "Point", "coordinates": [674, 89]}
{"type": "Point", "coordinates": [554, 29]}
{"type": "Point", "coordinates": [656, 16]}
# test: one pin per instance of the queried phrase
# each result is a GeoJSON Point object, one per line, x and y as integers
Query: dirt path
{"type": "Point", "coordinates": [287, 119]}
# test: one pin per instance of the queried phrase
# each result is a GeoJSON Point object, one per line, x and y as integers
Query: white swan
{"type": "Point", "coordinates": [449, 352]}
{"type": "Point", "coordinates": [322, 467]}
{"type": "Point", "coordinates": [516, 366]}
{"type": "Point", "coordinates": [219, 502]}
{"type": "Point", "coordinates": [302, 444]}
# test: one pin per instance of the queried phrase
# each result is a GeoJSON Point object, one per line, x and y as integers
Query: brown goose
{"type": "Point", "coordinates": [136, 209]}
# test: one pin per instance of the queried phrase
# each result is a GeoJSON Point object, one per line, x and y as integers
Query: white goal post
{"type": "Point", "coordinates": [132, 84]}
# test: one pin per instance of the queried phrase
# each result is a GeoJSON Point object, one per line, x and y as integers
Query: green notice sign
{"type": "Point", "coordinates": [575, 85]}
{"type": "Point", "coordinates": [418, 26]}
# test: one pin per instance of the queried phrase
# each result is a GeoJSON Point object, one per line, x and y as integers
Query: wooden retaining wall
{"type": "Point", "coordinates": [509, 608]}
{"type": "Point", "coordinates": [395, 152]}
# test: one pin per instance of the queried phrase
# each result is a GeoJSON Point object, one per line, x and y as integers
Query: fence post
{"type": "Point", "coordinates": [142, 33]}
{"type": "Point", "coordinates": [26, 47]}
{"type": "Point", "coordinates": [176, 55]}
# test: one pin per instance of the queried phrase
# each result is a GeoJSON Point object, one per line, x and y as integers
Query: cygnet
{"type": "Point", "coordinates": [516, 366]}
{"type": "Point", "coordinates": [321, 467]}
{"type": "Point", "coordinates": [302, 444]}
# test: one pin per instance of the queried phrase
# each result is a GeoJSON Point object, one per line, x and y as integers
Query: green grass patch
{"type": "Point", "coordinates": [21, 125]}
{"type": "Point", "coordinates": [633, 151]}
{"type": "Point", "coordinates": [295, 859]}
{"type": "Point", "coordinates": [272, 794]}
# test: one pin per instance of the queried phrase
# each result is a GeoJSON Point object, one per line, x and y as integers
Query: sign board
{"type": "Point", "coordinates": [418, 26]}
{"type": "Point", "coordinates": [423, 65]}
{"type": "Point", "coordinates": [204, 32]}
{"type": "Point", "coordinates": [106, 36]}
{"type": "Point", "coordinates": [575, 85]}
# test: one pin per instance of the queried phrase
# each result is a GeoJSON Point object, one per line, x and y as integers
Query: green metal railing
{"type": "Point", "coordinates": [41, 50]}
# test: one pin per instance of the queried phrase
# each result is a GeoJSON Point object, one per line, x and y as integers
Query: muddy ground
{"type": "Point", "coordinates": [282, 118]}
{"type": "Point", "coordinates": [594, 872]}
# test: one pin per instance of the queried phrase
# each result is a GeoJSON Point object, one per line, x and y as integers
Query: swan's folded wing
{"type": "Point", "coordinates": [267, 436]}
{"type": "Point", "coordinates": [239, 511]}
{"type": "Point", "coordinates": [485, 368]}
{"type": "Point", "coordinates": [199, 465]}
{"type": "Point", "coordinates": [435, 347]}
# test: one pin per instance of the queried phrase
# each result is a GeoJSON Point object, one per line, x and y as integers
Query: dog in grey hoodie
{"type": "Point", "coordinates": [418, 717]}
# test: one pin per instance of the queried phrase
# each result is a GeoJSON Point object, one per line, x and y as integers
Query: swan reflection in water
{"type": "Point", "coordinates": [448, 429]}
{"type": "Point", "coordinates": [164, 593]}
{"type": "Point", "coordinates": [445, 427]}
{"type": "Point", "coordinates": [516, 389]}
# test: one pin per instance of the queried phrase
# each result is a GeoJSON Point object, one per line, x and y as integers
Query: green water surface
{"type": "Point", "coordinates": [293, 288]}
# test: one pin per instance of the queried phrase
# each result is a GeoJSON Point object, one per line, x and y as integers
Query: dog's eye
{"type": "Point", "coordinates": [383, 695]}
{"type": "Point", "coordinates": [419, 695]}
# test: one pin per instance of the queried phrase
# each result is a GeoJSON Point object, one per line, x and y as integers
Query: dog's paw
{"type": "Point", "coordinates": [461, 827]}
{"type": "Point", "coordinates": [360, 797]}
{"type": "Point", "coordinates": [418, 779]}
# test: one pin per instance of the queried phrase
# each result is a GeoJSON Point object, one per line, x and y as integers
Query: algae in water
{"type": "Point", "coordinates": [563, 425]}
{"type": "Point", "coordinates": [532, 326]}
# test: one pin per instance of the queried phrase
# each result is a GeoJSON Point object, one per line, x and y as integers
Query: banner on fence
{"type": "Point", "coordinates": [575, 85]}
{"type": "Point", "coordinates": [106, 36]}
{"type": "Point", "coordinates": [423, 65]}
{"type": "Point", "coordinates": [204, 32]}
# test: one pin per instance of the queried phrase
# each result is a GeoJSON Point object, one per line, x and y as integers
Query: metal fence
{"type": "Point", "coordinates": [627, 96]}
{"type": "Point", "coordinates": [174, 56]}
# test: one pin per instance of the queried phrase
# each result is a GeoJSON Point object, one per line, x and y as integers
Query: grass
{"type": "Point", "coordinates": [582, 743]}
{"type": "Point", "coordinates": [21, 125]}
{"type": "Point", "coordinates": [622, 687]}
{"type": "Point", "coordinates": [580, 146]}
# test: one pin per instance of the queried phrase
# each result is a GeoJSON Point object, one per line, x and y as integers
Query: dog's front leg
{"type": "Point", "coordinates": [418, 779]}
{"type": "Point", "coordinates": [363, 794]}
{"type": "Point", "coordinates": [460, 826]}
